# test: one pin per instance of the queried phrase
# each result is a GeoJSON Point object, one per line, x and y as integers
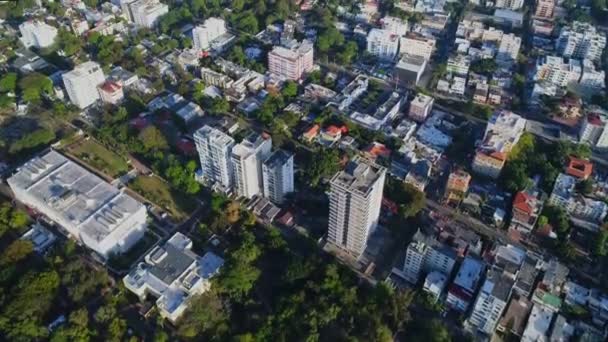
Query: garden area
{"type": "Point", "coordinates": [178, 204]}
{"type": "Point", "coordinates": [99, 157]}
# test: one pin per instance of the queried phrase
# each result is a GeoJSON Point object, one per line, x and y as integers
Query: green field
{"type": "Point", "coordinates": [177, 204]}
{"type": "Point", "coordinates": [99, 157]}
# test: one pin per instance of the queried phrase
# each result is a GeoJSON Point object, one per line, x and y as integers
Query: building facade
{"type": "Point", "coordinates": [215, 148]}
{"type": "Point", "coordinates": [383, 44]}
{"type": "Point", "coordinates": [203, 35]}
{"type": "Point", "coordinates": [292, 63]}
{"type": "Point", "coordinates": [246, 162]}
{"type": "Point", "coordinates": [581, 40]}
{"type": "Point", "coordinates": [278, 176]}
{"type": "Point", "coordinates": [355, 202]}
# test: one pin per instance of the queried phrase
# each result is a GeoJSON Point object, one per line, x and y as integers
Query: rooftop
{"type": "Point", "coordinates": [360, 175]}
{"type": "Point", "coordinates": [77, 196]}
{"type": "Point", "coordinates": [538, 324]}
{"type": "Point", "coordinates": [469, 273]}
{"type": "Point", "coordinates": [278, 158]}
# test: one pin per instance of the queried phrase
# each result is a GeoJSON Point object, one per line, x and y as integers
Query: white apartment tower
{"type": "Point", "coordinates": [383, 44]}
{"type": "Point", "coordinates": [581, 41]}
{"type": "Point", "coordinates": [146, 13]}
{"type": "Point", "coordinates": [203, 35]}
{"type": "Point", "coordinates": [545, 8]}
{"type": "Point", "coordinates": [510, 4]}
{"type": "Point", "coordinates": [81, 83]}
{"type": "Point", "coordinates": [491, 302]}
{"type": "Point", "coordinates": [291, 63]}
{"type": "Point", "coordinates": [417, 45]}
{"type": "Point", "coordinates": [354, 204]}
{"type": "Point", "coordinates": [246, 162]}
{"type": "Point", "coordinates": [278, 175]}
{"type": "Point", "coordinates": [214, 149]}
{"type": "Point", "coordinates": [593, 130]}
{"type": "Point", "coordinates": [37, 34]}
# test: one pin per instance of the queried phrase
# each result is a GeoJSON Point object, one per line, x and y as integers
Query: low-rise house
{"type": "Point", "coordinates": [40, 237]}
{"type": "Point", "coordinates": [579, 168]}
{"type": "Point", "coordinates": [538, 325]}
{"type": "Point", "coordinates": [457, 186]}
{"type": "Point", "coordinates": [311, 133]}
{"type": "Point", "coordinates": [111, 92]}
{"type": "Point", "coordinates": [434, 284]}
{"type": "Point", "coordinates": [174, 274]}
{"type": "Point", "coordinates": [515, 317]}
{"type": "Point", "coordinates": [420, 107]}
{"type": "Point", "coordinates": [527, 206]}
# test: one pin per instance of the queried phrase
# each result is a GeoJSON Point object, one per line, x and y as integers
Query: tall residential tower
{"type": "Point", "coordinates": [354, 204]}
{"type": "Point", "coordinates": [278, 175]}
{"type": "Point", "coordinates": [214, 148]}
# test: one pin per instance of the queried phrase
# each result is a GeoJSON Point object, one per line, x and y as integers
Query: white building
{"type": "Point", "coordinates": [37, 34]}
{"type": "Point", "coordinates": [509, 4]}
{"type": "Point", "coordinates": [246, 162]}
{"type": "Point", "coordinates": [355, 201]}
{"type": "Point", "coordinates": [459, 65]}
{"type": "Point", "coordinates": [425, 254]}
{"type": "Point", "coordinates": [581, 40]}
{"type": "Point", "coordinates": [502, 133]}
{"type": "Point", "coordinates": [204, 35]}
{"type": "Point", "coordinates": [417, 45]}
{"type": "Point", "coordinates": [93, 212]}
{"type": "Point", "coordinates": [174, 274]}
{"type": "Point", "coordinates": [215, 148]}
{"type": "Point", "coordinates": [563, 190]}
{"type": "Point", "coordinates": [434, 284]}
{"type": "Point", "coordinates": [383, 44]}
{"type": "Point", "coordinates": [146, 13]}
{"type": "Point", "coordinates": [593, 130]}
{"type": "Point", "coordinates": [278, 175]}
{"type": "Point", "coordinates": [592, 80]}
{"type": "Point", "coordinates": [508, 49]}
{"type": "Point", "coordinates": [81, 83]}
{"type": "Point", "coordinates": [292, 63]}
{"type": "Point", "coordinates": [538, 325]}
{"type": "Point", "coordinates": [556, 71]}
{"type": "Point", "coordinates": [395, 25]}
{"type": "Point", "coordinates": [491, 301]}
{"type": "Point", "coordinates": [460, 293]}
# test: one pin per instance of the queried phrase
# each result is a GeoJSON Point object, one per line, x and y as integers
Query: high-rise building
{"type": "Point", "coordinates": [417, 45]}
{"type": "Point", "coordinates": [581, 40]}
{"type": "Point", "coordinates": [556, 71]}
{"type": "Point", "coordinates": [215, 148]}
{"type": "Point", "coordinates": [593, 130]}
{"type": "Point", "coordinates": [420, 107]}
{"type": "Point", "coordinates": [278, 175]}
{"type": "Point", "coordinates": [508, 49]}
{"type": "Point", "coordinates": [544, 8]}
{"type": "Point", "coordinates": [81, 83]}
{"type": "Point", "coordinates": [510, 4]}
{"type": "Point", "coordinates": [203, 35]}
{"type": "Point", "coordinates": [291, 63]}
{"type": "Point", "coordinates": [491, 301]}
{"type": "Point", "coordinates": [37, 34]}
{"type": "Point", "coordinates": [146, 13]}
{"type": "Point", "coordinates": [93, 212]}
{"type": "Point", "coordinates": [383, 44]}
{"type": "Point", "coordinates": [246, 162]}
{"type": "Point", "coordinates": [355, 201]}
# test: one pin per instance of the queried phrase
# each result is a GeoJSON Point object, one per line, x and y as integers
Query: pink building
{"type": "Point", "coordinates": [291, 63]}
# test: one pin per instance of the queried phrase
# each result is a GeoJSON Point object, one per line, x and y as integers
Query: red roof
{"type": "Point", "coordinates": [186, 146]}
{"type": "Point", "coordinates": [335, 130]}
{"type": "Point", "coordinates": [579, 168]}
{"type": "Point", "coordinates": [110, 87]}
{"type": "Point", "coordinates": [379, 150]}
{"type": "Point", "coordinates": [390, 205]}
{"type": "Point", "coordinates": [594, 119]}
{"type": "Point", "coordinates": [312, 131]}
{"type": "Point", "coordinates": [523, 202]}
{"type": "Point", "coordinates": [498, 155]}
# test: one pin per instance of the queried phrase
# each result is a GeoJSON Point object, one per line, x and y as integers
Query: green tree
{"type": "Point", "coordinates": [8, 82]}
{"type": "Point", "coordinates": [69, 43]}
{"type": "Point", "coordinates": [33, 86]}
{"type": "Point", "coordinates": [76, 329]}
{"type": "Point", "coordinates": [153, 139]}
{"type": "Point", "coordinates": [23, 314]}
{"type": "Point", "coordinates": [11, 218]}
{"type": "Point", "coordinates": [600, 247]}
{"type": "Point", "coordinates": [239, 274]}
{"type": "Point", "coordinates": [32, 140]}
{"type": "Point", "coordinates": [205, 318]}
{"type": "Point", "coordinates": [15, 252]}
{"type": "Point", "coordinates": [290, 89]}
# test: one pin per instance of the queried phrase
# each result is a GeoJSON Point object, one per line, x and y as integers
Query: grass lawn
{"type": "Point", "coordinates": [99, 157]}
{"type": "Point", "coordinates": [177, 204]}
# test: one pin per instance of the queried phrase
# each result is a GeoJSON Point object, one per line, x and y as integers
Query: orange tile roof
{"type": "Point", "coordinates": [579, 168]}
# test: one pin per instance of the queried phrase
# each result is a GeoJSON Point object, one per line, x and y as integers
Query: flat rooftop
{"type": "Point", "coordinates": [79, 197]}
{"type": "Point", "coordinates": [360, 175]}
{"type": "Point", "coordinates": [278, 158]}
